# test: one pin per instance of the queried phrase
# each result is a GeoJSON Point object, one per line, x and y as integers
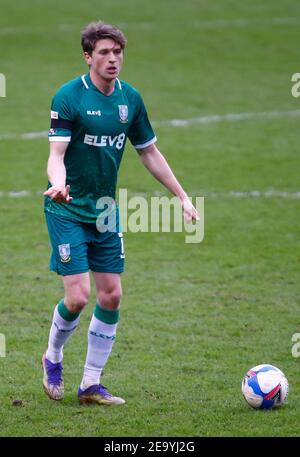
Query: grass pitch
{"type": "Point", "coordinates": [194, 317]}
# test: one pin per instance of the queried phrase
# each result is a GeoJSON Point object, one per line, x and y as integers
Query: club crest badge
{"type": "Point", "coordinates": [123, 113]}
{"type": "Point", "coordinates": [64, 252]}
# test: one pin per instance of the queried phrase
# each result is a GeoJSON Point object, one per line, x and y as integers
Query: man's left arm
{"type": "Point", "coordinates": [157, 165]}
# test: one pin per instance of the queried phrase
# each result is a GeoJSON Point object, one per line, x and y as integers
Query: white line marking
{"type": "Point", "coordinates": [23, 29]}
{"type": "Point", "coordinates": [214, 24]}
{"type": "Point", "coordinates": [244, 23]}
{"type": "Point", "coordinates": [34, 135]}
{"type": "Point", "coordinates": [24, 136]}
{"type": "Point", "coordinates": [20, 193]}
{"type": "Point", "coordinates": [272, 193]}
{"type": "Point", "coordinates": [255, 194]}
{"type": "Point", "coordinates": [231, 117]}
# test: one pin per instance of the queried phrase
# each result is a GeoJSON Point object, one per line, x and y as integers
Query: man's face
{"type": "Point", "coordinates": [106, 59]}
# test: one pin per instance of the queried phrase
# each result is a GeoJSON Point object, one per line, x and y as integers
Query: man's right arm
{"type": "Point", "coordinates": [56, 172]}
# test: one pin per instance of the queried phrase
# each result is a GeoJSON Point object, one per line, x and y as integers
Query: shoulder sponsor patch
{"type": "Point", "coordinates": [54, 114]}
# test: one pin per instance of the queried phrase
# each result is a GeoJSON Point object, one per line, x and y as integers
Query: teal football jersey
{"type": "Point", "coordinates": [96, 127]}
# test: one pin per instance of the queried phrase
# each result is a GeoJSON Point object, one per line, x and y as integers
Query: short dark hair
{"type": "Point", "coordinates": [98, 31]}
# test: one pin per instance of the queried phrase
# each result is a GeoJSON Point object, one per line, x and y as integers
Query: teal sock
{"type": "Point", "coordinates": [65, 313]}
{"type": "Point", "coordinates": [108, 316]}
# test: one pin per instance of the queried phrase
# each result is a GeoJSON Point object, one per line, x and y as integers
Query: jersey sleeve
{"type": "Point", "coordinates": [141, 133]}
{"type": "Point", "coordinates": [61, 118]}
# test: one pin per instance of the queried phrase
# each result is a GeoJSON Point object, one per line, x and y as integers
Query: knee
{"type": "Point", "coordinates": [111, 299]}
{"type": "Point", "coordinates": [77, 299]}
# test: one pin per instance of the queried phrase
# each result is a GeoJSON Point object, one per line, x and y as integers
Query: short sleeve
{"type": "Point", "coordinates": [61, 118]}
{"type": "Point", "coordinates": [141, 133]}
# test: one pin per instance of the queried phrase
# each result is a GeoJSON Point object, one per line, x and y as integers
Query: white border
{"type": "Point", "coordinates": [144, 145]}
{"type": "Point", "coordinates": [60, 139]}
{"type": "Point", "coordinates": [84, 81]}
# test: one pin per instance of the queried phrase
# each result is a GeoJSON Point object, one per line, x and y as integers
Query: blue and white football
{"type": "Point", "coordinates": [265, 387]}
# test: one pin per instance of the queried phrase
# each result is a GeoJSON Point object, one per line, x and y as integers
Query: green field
{"type": "Point", "coordinates": [194, 317]}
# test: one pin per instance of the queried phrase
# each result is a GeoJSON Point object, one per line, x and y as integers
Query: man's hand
{"type": "Point", "coordinates": [59, 194]}
{"type": "Point", "coordinates": [189, 211]}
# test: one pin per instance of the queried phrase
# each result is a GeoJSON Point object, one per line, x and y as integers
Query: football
{"type": "Point", "coordinates": [265, 387]}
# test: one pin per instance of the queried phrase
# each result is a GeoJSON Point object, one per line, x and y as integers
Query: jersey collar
{"type": "Point", "coordinates": [88, 84]}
